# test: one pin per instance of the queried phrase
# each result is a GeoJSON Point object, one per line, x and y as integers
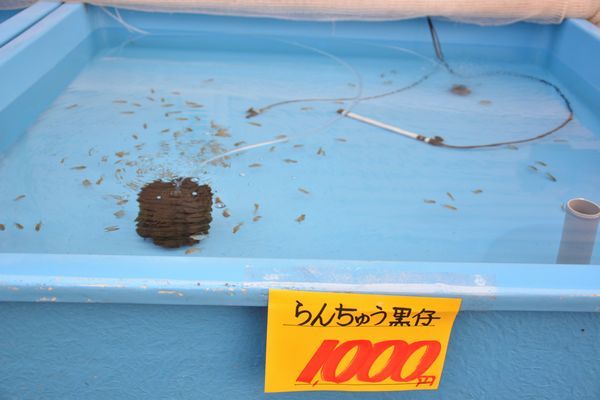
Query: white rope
{"type": "Point", "coordinates": [120, 20]}
{"type": "Point", "coordinates": [320, 128]}
{"type": "Point", "coordinates": [244, 148]}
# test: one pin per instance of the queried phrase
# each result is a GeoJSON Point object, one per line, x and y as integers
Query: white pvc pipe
{"type": "Point", "coordinates": [579, 232]}
{"type": "Point", "coordinates": [390, 128]}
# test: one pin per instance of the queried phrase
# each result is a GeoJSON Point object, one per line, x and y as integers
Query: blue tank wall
{"type": "Point", "coordinates": [66, 349]}
{"type": "Point", "coordinates": [115, 351]}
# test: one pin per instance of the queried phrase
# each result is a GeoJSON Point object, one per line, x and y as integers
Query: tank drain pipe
{"type": "Point", "coordinates": [579, 232]}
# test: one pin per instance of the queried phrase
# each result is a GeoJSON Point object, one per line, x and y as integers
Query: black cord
{"type": "Point", "coordinates": [437, 47]}
{"type": "Point", "coordinates": [439, 141]}
{"type": "Point", "coordinates": [440, 56]}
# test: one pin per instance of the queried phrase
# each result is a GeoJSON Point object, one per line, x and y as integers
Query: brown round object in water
{"type": "Point", "coordinates": [460, 90]}
{"type": "Point", "coordinates": [172, 212]}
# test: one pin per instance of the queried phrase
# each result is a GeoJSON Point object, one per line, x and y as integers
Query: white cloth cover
{"type": "Point", "coordinates": [486, 12]}
{"type": "Point", "coordinates": [15, 4]}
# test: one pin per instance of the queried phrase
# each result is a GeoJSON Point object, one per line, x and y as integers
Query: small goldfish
{"type": "Point", "coordinates": [119, 214]}
{"type": "Point", "coordinates": [237, 227]}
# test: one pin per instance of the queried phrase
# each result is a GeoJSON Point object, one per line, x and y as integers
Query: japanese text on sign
{"type": "Point", "coordinates": [357, 342]}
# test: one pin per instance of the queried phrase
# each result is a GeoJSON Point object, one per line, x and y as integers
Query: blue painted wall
{"type": "Point", "coordinates": [116, 351]}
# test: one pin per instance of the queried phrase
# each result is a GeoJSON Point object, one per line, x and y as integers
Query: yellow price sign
{"type": "Point", "coordinates": [356, 342]}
